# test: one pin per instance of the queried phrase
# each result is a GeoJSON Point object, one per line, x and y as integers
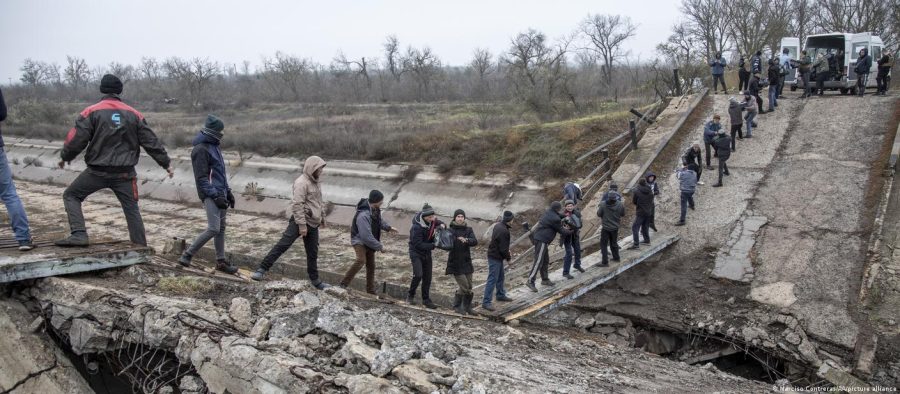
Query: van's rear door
{"type": "Point", "coordinates": [792, 44]}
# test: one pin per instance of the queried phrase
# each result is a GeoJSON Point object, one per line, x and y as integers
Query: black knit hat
{"type": "Point", "coordinates": [427, 210]}
{"type": "Point", "coordinates": [507, 216]}
{"type": "Point", "coordinates": [214, 123]}
{"type": "Point", "coordinates": [459, 212]}
{"type": "Point", "coordinates": [375, 197]}
{"type": "Point", "coordinates": [110, 84]}
{"type": "Point", "coordinates": [555, 206]}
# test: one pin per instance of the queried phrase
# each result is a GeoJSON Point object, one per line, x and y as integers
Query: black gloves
{"type": "Point", "coordinates": [230, 199]}
{"type": "Point", "coordinates": [221, 202]}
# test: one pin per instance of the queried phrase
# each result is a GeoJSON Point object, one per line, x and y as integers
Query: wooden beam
{"type": "Point", "coordinates": [53, 261]}
{"type": "Point", "coordinates": [603, 145]}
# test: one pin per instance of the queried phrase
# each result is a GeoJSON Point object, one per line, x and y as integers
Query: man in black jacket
{"type": "Point", "coordinates": [498, 252]}
{"type": "Point", "coordinates": [723, 146]}
{"type": "Point", "coordinates": [550, 224]}
{"type": "Point", "coordinates": [754, 92]}
{"type": "Point", "coordinates": [421, 243]}
{"type": "Point", "coordinates": [884, 69]}
{"type": "Point", "coordinates": [572, 242]}
{"type": "Point", "coordinates": [863, 66]}
{"type": "Point", "coordinates": [642, 198]}
{"type": "Point", "coordinates": [694, 155]}
{"type": "Point", "coordinates": [365, 237]}
{"type": "Point", "coordinates": [113, 134]}
{"type": "Point", "coordinates": [611, 213]}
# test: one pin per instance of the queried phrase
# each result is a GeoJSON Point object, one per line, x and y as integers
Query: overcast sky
{"type": "Point", "coordinates": [230, 31]}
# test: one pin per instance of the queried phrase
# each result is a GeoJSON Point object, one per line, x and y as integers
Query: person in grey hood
{"type": "Point", "coordinates": [213, 190]}
{"type": "Point", "coordinates": [611, 212]}
{"type": "Point", "coordinates": [365, 237]}
{"type": "Point", "coordinates": [687, 179]}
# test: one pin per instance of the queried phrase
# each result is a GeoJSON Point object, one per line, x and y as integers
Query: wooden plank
{"type": "Point", "coordinates": [603, 145]}
{"type": "Point", "coordinates": [52, 261]}
{"type": "Point", "coordinates": [526, 302]}
{"type": "Point", "coordinates": [665, 140]}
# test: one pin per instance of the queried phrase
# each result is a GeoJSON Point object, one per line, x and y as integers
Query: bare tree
{"type": "Point", "coordinates": [77, 72]}
{"type": "Point", "coordinates": [194, 74]}
{"type": "Point", "coordinates": [803, 18]}
{"type": "Point", "coordinates": [708, 22]}
{"type": "Point", "coordinates": [287, 71]}
{"type": "Point", "coordinates": [150, 70]}
{"type": "Point", "coordinates": [482, 62]}
{"type": "Point", "coordinates": [606, 34]}
{"type": "Point", "coordinates": [858, 16]}
{"type": "Point", "coordinates": [125, 72]}
{"type": "Point", "coordinates": [537, 71]}
{"type": "Point", "coordinates": [357, 68]}
{"type": "Point", "coordinates": [749, 24]}
{"type": "Point", "coordinates": [392, 56]}
{"type": "Point", "coordinates": [33, 72]}
{"type": "Point", "coordinates": [424, 66]}
{"type": "Point", "coordinates": [686, 52]}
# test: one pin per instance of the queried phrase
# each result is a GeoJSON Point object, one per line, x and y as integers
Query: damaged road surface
{"type": "Point", "coordinates": [204, 335]}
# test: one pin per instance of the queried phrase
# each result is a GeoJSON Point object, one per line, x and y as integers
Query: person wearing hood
{"type": "Point", "coordinates": [754, 89]}
{"type": "Point", "coordinates": [365, 237]}
{"type": "Point", "coordinates": [572, 191]}
{"type": "Point", "coordinates": [805, 68]}
{"type": "Point", "coordinates": [459, 262]}
{"type": "Point", "coordinates": [308, 215]}
{"type": "Point", "coordinates": [610, 212]}
{"type": "Point", "coordinates": [650, 177]}
{"type": "Point", "coordinates": [743, 73]}
{"type": "Point", "coordinates": [883, 77]}
{"type": "Point", "coordinates": [642, 198]}
{"type": "Point", "coordinates": [709, 133]}
{"type": "Point", "coordinates": [18, 219]}
{"type": "Point", "coordinates": [213, 190]}
{"type": "Point", "coordinates": [497, 253]}
{"type": "Point", "coordinates": [550, 224]}
{"type": "Point", "coordinates": [774, 76]}
{"type": "Point", "coordinates": [613, 189]}
{"type": "Point", "coordinates": [863, 66]}
{"type": "Point", "coordinates": [421, 244]}
{"type": "Point", "coordinates": [571, 243]}
{"type": "Point", "coordinates": [717, 69]}
{"type": "Point", "coordinates": [111, 133]}
{"type": "Point", "coordinates": [723, 144]}
{"type": "Point", "coordinates": [735, 113]}
{"type": "Point", "coordinates": [687, 182]}
{"type": "Point", "coordinates": [692, 156]}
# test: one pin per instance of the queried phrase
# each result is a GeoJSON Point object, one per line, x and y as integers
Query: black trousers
{"type": "Point", "coordinates": [736, 130]}
{"type": "Point", "coordinates": [883, 79]}
{"type": "Point", "coordinates": [611, 238]}
{"type": "Point", "coordinates": [759, 103]}
{"type": "Point", "coordinates": [709, 146]}
{"type": "Point", "coordinates": [421, 266]}
{"type": "Point", "coordinates": [723, 167]}
{"type": "Point", "coordinates": [310, 244]}
{"type": "Point", "coordinates": [744, 77]}
{"type": "Point", "coordinates": [124, 185]}
{"type": "Point", "coordinates": [719, 79]}
{"type": "Point", "coordinates": [807, 89]}
{"type": "Point", "coordinates": [861, 81]}
{"type": "Point", "coordinates": [820, 82]}
{"type": "Point", "coordinates": [541, 262]}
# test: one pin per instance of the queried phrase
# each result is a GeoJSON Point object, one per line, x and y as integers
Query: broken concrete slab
{"type": "Point", "coordinates": [780, 294]}
{"type": "Point", "coordinates": [733, 260]}
{"type": "Point", "coordinates": [51, 260]}
{"type": "Point", "coordinates": [414, 378]}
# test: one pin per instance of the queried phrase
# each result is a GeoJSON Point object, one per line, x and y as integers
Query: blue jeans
{"type": "Point", "coordinates": [14, 208]}
{"type": "Point", "coordinates": [573, 249]}
{"type": "Point", "coordinates": [687, 199]}
{"type": "Point", "coordinates": [495, 279]}
{"type": "Point", "coordinates": [749, 117]}
{"type": "Point", "coordinates": [773, 97]}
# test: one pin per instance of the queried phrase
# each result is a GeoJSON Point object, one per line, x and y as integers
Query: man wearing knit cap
{"type": "Point", "coordinates": [549, 225]}
{"type": "Point", "coordinates": [610, 212]}
{"type": "Point", "coordinates": [213, 190]}
{"type": "Point", "coordinates": [365, 237]}
{"type": "Point", "coordinates": [421, 243]}
{"type": "Point", "coordinates": [308, 215]}
{"type": "Point", "coordinates": [497, 253]}
{"type": "Point", "coordinates": [572, 242]}
{"type": "Point", "coordinates": [459, 262]}
{"type": "Point", "coordinates": [111, 134]}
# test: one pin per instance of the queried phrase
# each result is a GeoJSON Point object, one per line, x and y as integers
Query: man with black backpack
{"type": "Point", "coordinates": [365, 237]}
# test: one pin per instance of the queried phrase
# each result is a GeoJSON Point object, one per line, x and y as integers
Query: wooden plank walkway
{"type": "Point", "coordinates": [527, 303]}
{"type": "Point", "coordinates": [49, 260]}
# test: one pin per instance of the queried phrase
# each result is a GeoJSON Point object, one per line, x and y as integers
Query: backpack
{"type": "Point", "coordinates": [443, 238]}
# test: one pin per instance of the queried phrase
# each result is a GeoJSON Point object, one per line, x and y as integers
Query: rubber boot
{"type": "Point", "coordinates": [467, 302]}
{"type": "Point", "coordinates": [458, 304]}
{"type": "Point", "coordinates": [225, 267]}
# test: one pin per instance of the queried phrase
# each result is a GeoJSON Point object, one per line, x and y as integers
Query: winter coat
{"type": "Point", "coordinates": [742, 67]}
{"type": "Point", "coordinates": [754, 88]}
{"type": "Point", "coordinates": [692, 156]}
{"type": "Point", "coordinates": [498, 248]}
{"type": "Point", "coordinates": [549, 225]}
{"type": "Point", "coordinates": [572, 192]}
{"type": "Point", "coordinates": [820, 65]}
{"type": "Point", "coordinates": [717, 66]}
{"type": "Point", "coordinates": [750, 106]}
{"type": "Point", "coordinates": [2, 114]}
{"type": "Point", "coordinates": [884, 67]}
{"type": "Point", "coordinates": [805, 63]}
{"type": "Point", "coordinates": [611, 215]}
{"type": "Point", "coordinates": [112, 133]}
{"type": "Point", "coordinates": [642, 198]}
{"type": "Point", "coordinates": [459, 260]}
{"type": "Point", "coordinates": [864, 63]}
{"type": "Point", "coordinates": [755, 64]}
{"type": "Point", "coordinates": [654, 185]}
{"type": "Point", "coordinates": [209, 167]}
{"type": "Point", "coordinates": [687, 180]}
{"type": "Point", "coordinates": [723, 146]}
{"type": "Point", "coordinates": [735, 108]}
{"type": "Point", "coordinates": [710, 130]}
{"type": "Point", "coordinates": [774, 74]}
{"type": "Point", "coordinates": [575, 218]}
{"type": "Point", "coordinates": [421, 236]}
{"type": "Point", "coordinates": [367, 226]}
{"type": "Point", "coordinates": [306, 204]}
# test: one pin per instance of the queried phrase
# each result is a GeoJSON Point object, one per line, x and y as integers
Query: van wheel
{"type": "Point", "coordinates": [793, 88]}
{"type": "Point", "coordinates": [853, 91]}
{"type": "Point", "coordinates": [844, 91]}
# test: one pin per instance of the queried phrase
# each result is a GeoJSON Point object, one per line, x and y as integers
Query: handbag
{"type": "Point", "coordinates": [443, 238]}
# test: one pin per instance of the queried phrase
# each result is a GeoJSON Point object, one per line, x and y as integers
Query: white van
{"type": "Point", "coordinates": [845, 47]}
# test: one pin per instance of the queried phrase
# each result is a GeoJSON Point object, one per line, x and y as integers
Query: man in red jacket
{"type": "Point", "coordinates": [111, 133]}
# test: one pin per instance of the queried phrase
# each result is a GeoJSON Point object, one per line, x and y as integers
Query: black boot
{"type": "Point", "coordinates": [458, 304]}
{"type": "Point", "coordinates": [225, 267]}
{"type": "Point", "coordinates": [467, 303]}
{"type": "Point", "coordinates": [77, 239]}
